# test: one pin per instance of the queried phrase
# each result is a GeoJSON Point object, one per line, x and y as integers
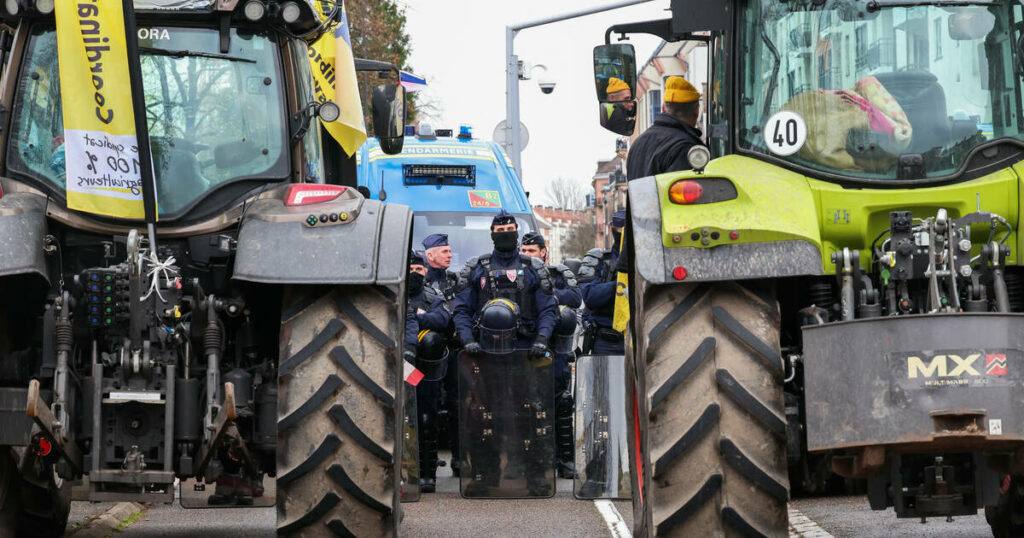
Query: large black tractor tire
{"type": "Point", "coordinates": [339, 427]}
{"type": "Point", "coordinates": [709, 455]}
{"type": "Point", "coordinates": [32, 506]}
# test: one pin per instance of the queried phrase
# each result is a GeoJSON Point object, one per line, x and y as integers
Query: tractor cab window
{"type": "Point", "coordinates": [848, 89]}
{"type": "Point", "coordinates": [213, 118]}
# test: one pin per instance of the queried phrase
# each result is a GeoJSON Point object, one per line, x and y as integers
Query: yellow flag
{"type": "Point", "coordinates": [101, 149]}
{"type": "Point", "coordinates": [621, 316]}
{"type": "Point", "coordinates": [334, 79]}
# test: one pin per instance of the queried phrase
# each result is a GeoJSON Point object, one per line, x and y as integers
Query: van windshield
{"type": "Point", "coordinates": [871, 82]}
{"type": "Point", "coordinates": [213, 118]}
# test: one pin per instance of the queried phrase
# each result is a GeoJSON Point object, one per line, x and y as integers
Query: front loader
{"type": "Point", "coordinates": [247, 347]}
{"type": "Point", "coordinates": [835, 285]}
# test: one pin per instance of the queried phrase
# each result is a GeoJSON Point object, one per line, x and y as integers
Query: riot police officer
{"type": "Point", "coordinates": [426, 329]}
{"type": "Point", "coordinates": [567, 293]}
{"type": "Point", "coordinates": [598, 277]}
{"type": "Point", "coordinates": [506, 304]}
{"type": "Point", "coordinates": [496, 276]}
{"type": "Point", "coordinates": [438, 255]}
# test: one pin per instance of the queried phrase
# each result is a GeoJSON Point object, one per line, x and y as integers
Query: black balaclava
{"type": "Point", "coordinates": [414, 283]}
{"type": "Point", "coordinates": [505, 242]}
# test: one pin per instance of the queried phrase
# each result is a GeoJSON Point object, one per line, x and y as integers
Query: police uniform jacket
{"type": "Point", "coordinates": [662, 148]}
{"type": "Point", "coordinates": [567, 291]}
{"type": "Point", "coordinates": [540, 321]}
{"type": "Point", "coordinates": [598, 291]}
{"type": "Point", "coordinates": [426, 313]}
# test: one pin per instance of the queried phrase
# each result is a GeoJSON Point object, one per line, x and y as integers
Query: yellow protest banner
{"type": "Point", "coordinates": [334, 79]}
{"type": "Point", "coordinates": [102, 151]}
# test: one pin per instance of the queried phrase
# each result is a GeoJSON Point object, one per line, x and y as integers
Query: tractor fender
{"type": "Point", "coordinates": [276, 244]}
{"type": "Point", "coordinates": [656, 263]}
{"type": "Point", "coordinates": [22, 228]}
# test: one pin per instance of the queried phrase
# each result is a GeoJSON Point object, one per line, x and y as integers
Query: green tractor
{"type": "Point", "coordinates": [248, 346]}
{"type": "Point", "coordinates": [835, 286]}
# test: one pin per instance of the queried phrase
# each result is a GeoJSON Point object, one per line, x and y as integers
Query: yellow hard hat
{"type": "Point", "coordinates": [678, 90]}
{"type": "Point", "coordinates": [616, 85]}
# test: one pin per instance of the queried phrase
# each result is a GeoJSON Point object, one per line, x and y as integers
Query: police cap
{"type": "Point", "coordinates": [436, 240]}
{"type": "Point", "coordinates": [619, 219]}
{"type": "Point", "coordinates": [534, 238]}
{"type": "Point", "coordinates": [503, 217]}
{"type": "Point", "coordinates": [416, 258]}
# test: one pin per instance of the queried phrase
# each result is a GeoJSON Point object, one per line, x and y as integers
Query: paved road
{"type": "Point", "coordinates": [446, 515]}
{"type": "Point", "coordinates": [845, 517]}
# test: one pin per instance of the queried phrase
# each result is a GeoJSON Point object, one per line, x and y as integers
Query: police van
{"type": "Point", "coordinates": [454, 185]}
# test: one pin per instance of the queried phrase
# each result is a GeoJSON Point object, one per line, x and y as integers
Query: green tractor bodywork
{"type": "Point", "coordinates": [787, 224]}
{"type": "Point", "coordinates": [845, 299]}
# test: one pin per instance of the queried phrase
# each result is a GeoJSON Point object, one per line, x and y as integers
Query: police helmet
{"type": "Point", "coordinates": [565, 330]}
{"type": "Point", "coordinates": [431, 355]}
{"type": "Point", "coordinates": [499, 320]}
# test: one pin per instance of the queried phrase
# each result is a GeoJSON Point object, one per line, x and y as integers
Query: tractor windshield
{"type": "Point", "coordinates": [852, 88]}
{"type": "Point", "coordinates": [213, 118]}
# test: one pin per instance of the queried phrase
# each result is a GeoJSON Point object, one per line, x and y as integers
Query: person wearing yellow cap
{"type": "Point", "coordinates": [663, 147]}
{"type": "Point", "coordinates": [617, 110]}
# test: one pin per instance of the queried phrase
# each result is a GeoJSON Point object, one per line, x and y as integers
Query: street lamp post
{"type": "Point", "coordinates": [513, 73]}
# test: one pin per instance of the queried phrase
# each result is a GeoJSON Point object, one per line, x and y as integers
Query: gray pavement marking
{"type": "Point", "coordinates": [109, 521]}
{"type": "Point", "coordinates": [616, 525]}
{"type": "Point", "coordinates": [801, 526]}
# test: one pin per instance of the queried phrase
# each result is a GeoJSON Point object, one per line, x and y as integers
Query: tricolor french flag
{"type": "Point", "coordinates": [411, 82]}
{"type": "Point", "coordinates": [412, 375]}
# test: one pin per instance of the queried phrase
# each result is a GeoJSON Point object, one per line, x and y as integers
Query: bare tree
{"type": "Point", "coordinates": [582, 237]}
{"type": "Point", "coordinates": [565, 193]}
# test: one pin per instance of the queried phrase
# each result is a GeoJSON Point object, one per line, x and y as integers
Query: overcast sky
{"type": "Point", "coordinates": [459, 47]}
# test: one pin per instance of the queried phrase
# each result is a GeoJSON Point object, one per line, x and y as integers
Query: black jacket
{"type": "Point", "coordinates": [662, 148]}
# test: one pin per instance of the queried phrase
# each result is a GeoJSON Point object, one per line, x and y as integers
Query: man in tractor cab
{"type": "Point", "coordinates": [567, 293]}
{"type": "Point", "coordinates": [426, 328]}
{"type": "Point", "coordinates": [598, 276]}
{"type": "Point", "coordinates": [663, 147]}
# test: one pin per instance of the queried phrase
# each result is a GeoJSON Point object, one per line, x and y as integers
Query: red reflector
{"type": "Point", "coordinates": [734, 235]}
{"type": "Point", "coordinates": [44, 447]}
{"type": "Point", "coordinates": [311, 193]}
{"type": "Point", "coordinates": [685, 191]}
{"type": "Point", "coordinates": [679, 273]}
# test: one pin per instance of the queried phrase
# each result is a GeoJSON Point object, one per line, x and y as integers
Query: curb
{"type": "Point", "coordinates": [108, 522]}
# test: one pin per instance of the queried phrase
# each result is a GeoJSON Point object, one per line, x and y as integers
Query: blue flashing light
{"type": "Point", "coordinates": [465, 132]}
{"type": "Point", "coordinates": [410, 130]}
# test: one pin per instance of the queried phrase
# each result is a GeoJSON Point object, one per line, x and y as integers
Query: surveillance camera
{"type": "Point", "coordinates": [546, 86]}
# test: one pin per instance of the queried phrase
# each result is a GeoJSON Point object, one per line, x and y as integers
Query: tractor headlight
{"type": "Point", "coordinates": [44, 7]}
{"type": "Point", "coordinates": [290, 12]}
{"type": "Point", "coordinates": [13, 7]}
{"type": "Point", "coordinates": [699, 156]}
{"type": "Point", "coordinates": [254, 10]}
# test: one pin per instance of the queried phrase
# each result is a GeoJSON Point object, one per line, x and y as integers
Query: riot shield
{"type": "Point", "coordinates": [602, 450]}
{"type": "Point", "coordinates": [411, 450]}
{"type": "Point", "coordinates": [507, 437]}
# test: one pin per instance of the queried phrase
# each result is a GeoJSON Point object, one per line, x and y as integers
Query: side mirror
{"type": "Point", "coordinates": [970, 23]}
{"type": "Point", "coordinates": [389, 117]}
{"type": "Point", "coordinates": [619, 118]}
{"type": "Point", "coordinates": [615, 72]}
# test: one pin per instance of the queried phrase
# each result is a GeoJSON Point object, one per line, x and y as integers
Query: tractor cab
{"type": "Point", "coordinates": [850, 91]}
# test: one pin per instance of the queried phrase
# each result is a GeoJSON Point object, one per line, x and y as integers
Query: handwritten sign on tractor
{"type": "Point", "coordinates": [102, 151]}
